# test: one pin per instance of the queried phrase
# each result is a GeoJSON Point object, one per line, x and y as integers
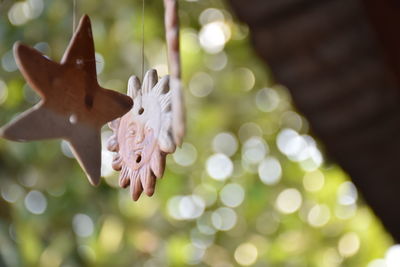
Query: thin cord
{"type": "Point", "coordinates": [143, 39]}
{"type": "Point", "coordinates": [74, 16]}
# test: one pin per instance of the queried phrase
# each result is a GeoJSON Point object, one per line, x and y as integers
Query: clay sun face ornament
{"type": "Point", "coordinates": [143, 137]}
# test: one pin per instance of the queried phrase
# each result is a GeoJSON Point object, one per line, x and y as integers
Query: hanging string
{"type": "Point", "coordinates": [74, 8]}
{"type": "Point", "coordinates": [74, 26]}
{"type": "Point", "coordinates": [143, 5]}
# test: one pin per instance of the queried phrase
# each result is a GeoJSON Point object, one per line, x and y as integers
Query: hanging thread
{"type": "Point", "coordinates": [74, 16]}
{"type": "Point", "coordinates": [143, 5]}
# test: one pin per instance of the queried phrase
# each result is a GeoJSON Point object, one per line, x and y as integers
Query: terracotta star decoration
{"type": "Point", "coordinates": [143, 137]}
{"type": "Point", "coordinates": [73, 107]}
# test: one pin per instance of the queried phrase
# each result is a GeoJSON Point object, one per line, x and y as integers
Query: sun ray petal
{"type": "Point", "coordinates": [157, 164]}
{"type": "Point", "coordinates": [166, 143]}
{"type": "Point", "coordinates": [124, 178]}
{"type": "Point", "coordinates": [150, 184]}
{"type": "Point", "coordinates": [133, 86]}
{"type": "Point", "coordinates": [149, 81]}
{"type": "Point", "coordinates": [114, 124]}
{"type": "Point", "coordinates": [162, 86]}
{"type": "Point", "coordinates": [165, 101]}
{"type": "Point", "coordinates": [136, 189]}
{"type": "Point", "coordinates": [112, 143]}
{"type": "Point", "coordinates": [144, 173]}
{"type": "Point", "coordinates": [117, 162]}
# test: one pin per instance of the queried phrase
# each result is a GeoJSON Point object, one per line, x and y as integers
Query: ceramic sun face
{"type": "Point", "coordinates": [142, 137]}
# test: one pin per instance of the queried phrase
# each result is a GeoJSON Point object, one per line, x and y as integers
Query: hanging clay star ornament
{"type": "Point", "coordinates": [142, 137]}
{"type": "Point", "coordinates": [73, 106]}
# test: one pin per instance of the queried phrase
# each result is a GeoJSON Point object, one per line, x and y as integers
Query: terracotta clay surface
{"type": "Point", "coordinates": [73, 106]}
{"type": "Point", "coordinates": [143, 137]}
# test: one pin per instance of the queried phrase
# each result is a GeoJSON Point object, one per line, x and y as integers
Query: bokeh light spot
{"type": "Point", "coordinates": [219, 166]}
{"type": "Point", "coordinates": [232, 195]}
{"type": "Point", "coordinates": [267, 99]}
{"type": "Point", "coordinates": [377, 263]}
{"type": "Point", "coordinates": [245, 78]}
{"type": "Point", "coordinates": [185, 155]}
{"type": "Point", "coordinates": [392, 256]}
{"type": "Point", "coordinates": [35, 202]}
{"type": "Point", "coordinates": [210, 15]}
{"type": "Point", "coordinates": [224, 219]}
{"type": "Point", "coordinates": [214, 35]}
{"type": "Point", "coordinates": [216, 62]}
{"type": "Point", "coordinates": [83, 225]}
{"type": "Point", "coordinates": [186, 207]}
{"type": "Point", "coordinates": [190, 42]}
{"type": "Point", "coordinates": [111, 234]}
{"type": "Point", "coordinates": [200, 239]}
{"type": "Point", "coordinates": [347, 194]}
{"type": "Point", "coordinates": [8, 62]}
{"type": "Point", "coordinates": [349, 244]}
{"type": "Point", "coordinates": [246, 254]}
{"type": "Point", "coordinates": [205, 224]}
{"type": "Point", "coordinates": [225, 143]}
{"type": "Point", "coordinates": [289, 201]}
{"type": "Point", "coordinates": [201, 84]}
{"type": "Point", "coordinates": [345, 212]}
{"type": "Point", "coordinates": [292, 120]}
{"type": "Point", "coordinates": [191, 207]}
{"type": "Point", "coordinates": [17, 14]}
{"type": "Point", "coordinates": [254, 150]}
{"type": "Point", "coordinates": [313, 181]}
{"type": "Point", "coordinates": [11, 192]}
{"type": "Point", "coordinates": [319, 215]}
{"type": "Point", "coordinates": [248, 130]}
{"type": "Point", "coordinates": [270, 171]}
{"type": "Point", "coordinates": [207, 192]}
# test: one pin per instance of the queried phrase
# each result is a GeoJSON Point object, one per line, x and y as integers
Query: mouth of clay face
{"type": "Point", "coordinates": [135, 159]}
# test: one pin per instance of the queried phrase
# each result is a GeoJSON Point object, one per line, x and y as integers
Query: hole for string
{"type": "Point", "coordinates": [79, 62]}
{"type": "Point", "coordinates": [73, 119]}
{"type": "Point", "coordinates": [141, 110]}
{"type": "Point", "coordinates": [139, 158]}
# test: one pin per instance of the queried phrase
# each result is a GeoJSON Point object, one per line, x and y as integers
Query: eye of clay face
{"type": "Point", "coordinates": [131, 133]}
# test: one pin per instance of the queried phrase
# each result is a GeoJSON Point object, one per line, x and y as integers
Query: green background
{"type": "Point", "coordinates": [51, 216]}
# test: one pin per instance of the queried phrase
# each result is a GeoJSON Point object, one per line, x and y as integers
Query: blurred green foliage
{"type": "Point", "coordinates": [50, 215]}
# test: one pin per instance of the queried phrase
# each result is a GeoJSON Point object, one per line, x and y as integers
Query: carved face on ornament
{"type": "Point", "coordinates": [142, 137]}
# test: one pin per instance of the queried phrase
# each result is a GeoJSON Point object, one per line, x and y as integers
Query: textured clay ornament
{"type": "Point", "coordinates": [142, 137]}
{"type": "Point", "coordinates": [73, 106]}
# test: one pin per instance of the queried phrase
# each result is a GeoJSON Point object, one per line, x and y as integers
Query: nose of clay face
{"type": "Point", "coordinates": [139, 135]}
